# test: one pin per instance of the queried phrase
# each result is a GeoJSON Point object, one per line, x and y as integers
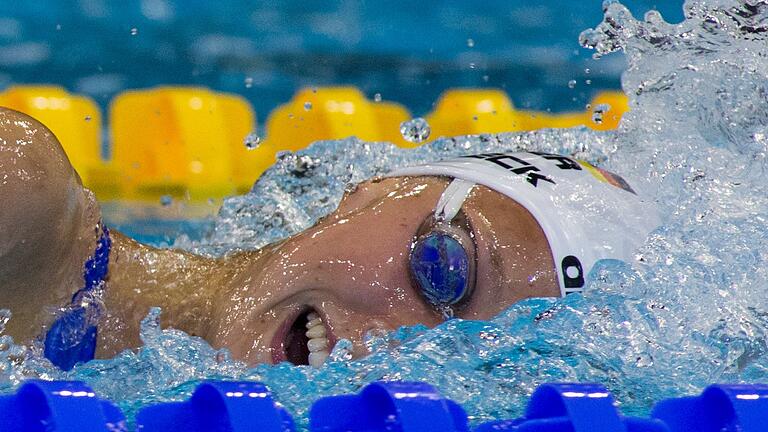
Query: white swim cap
{"type": "Point", "coordinates": [587, 214]}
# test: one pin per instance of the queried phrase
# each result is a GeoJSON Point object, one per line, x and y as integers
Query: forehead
{"type": "Point", "coordinates": [504, 222]}
{"type": "Point", "coordinates": [427, 191]}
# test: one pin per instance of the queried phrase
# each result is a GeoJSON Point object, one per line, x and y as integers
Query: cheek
{"type": "Point", "coordinates": [354, 325]}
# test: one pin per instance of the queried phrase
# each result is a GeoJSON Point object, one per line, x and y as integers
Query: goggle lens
{"type": "Point", "coordinates": [440, 267]}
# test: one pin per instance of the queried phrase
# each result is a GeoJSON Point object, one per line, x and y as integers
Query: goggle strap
{"type": "Point", "coordinates": [452, 199]}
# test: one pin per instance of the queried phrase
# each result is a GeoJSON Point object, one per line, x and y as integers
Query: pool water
{"type": "Point", "coordinates": [265, 50]}
{"type": "Point", "coordinates": [691, 310]}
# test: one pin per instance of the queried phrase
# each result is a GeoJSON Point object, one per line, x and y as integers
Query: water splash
{"type": "Point", "coordinates": [415, 130]}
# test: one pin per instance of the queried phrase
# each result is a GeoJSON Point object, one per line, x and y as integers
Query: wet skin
{"type": "Point", "coordinates": [351, 268]}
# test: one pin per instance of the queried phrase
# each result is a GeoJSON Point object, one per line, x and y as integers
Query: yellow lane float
{"type": "Point", "coordinates": [334, 113]}
{"type": "Point", "coordinates": [182, 142]}
{"type": "Point", "coordinates": [476, 111]}
{"type": "Point", "coordinates": [189, 142]}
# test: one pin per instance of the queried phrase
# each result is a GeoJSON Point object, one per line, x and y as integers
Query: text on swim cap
{"type": "Point", "coordinates": [522, 167]}
{"type": "Point", "coordinates": [509, 163]}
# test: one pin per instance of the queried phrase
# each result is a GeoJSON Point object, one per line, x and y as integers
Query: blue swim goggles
{"type": "Point", "coordinates": [443, 253]}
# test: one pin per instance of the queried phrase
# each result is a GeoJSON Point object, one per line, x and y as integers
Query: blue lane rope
{"type": "Point", "coordinates": [72, 337]}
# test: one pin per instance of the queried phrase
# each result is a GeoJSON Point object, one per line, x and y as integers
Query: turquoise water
{"type": "Point", "coordinates": [691, 310]}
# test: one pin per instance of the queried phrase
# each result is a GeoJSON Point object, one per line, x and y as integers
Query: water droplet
{"type": "Point", "coordinates": [314, 89]}
{"type": "Point", "coordinates": [134, 31]}
{"type": "Point", "coordinates": [166, 200]}
{"type": "Point", "coordinates": [472, 65]}
{"type": "Point", "coordinates": [588, 82]}
{"type": "Point", "coordinates": [586, 70]}
{"type": "Point", "coordinates": [572, 84]}
{"type": "Point", "coordinates": [599, 111]}
{"type": "Point", "coordinates": [307, 106]}
{"type": "Point", "coordinates": [470, 43]}
{"type": "Point", "coordinates": [87, 118]}
{"type": "Point", "coordinates": [252, 141]}
{"type": "Point", "coordinates": [248, 82]}
{"type": "Point", "coordinates": [485, 78]}
{"type": "Point", "coordinates": [377, 97]}
{"type": "Point", "coordinates": [447, 312]}
{"type": "Point", "coordinates": [474, 118]}
{"type": "Point", "coordinates": [303, 165]}
{"type": "Point", "coordinates": [342, 351]}
{"type": "Point", "coordinates": [415, 130]}
{"type": "Point", "coordinates": [58, 26]}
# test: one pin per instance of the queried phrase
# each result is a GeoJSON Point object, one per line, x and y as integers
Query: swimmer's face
{"type": "Point", "coordinates": [352, 270]}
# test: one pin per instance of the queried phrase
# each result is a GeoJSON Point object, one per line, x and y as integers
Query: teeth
{"type": "Point", "coordinates": [316, 359]}
{"type": "Point", "coordinates": [317, 343]}
{"type": "Point", "coordinates": [317, 331]}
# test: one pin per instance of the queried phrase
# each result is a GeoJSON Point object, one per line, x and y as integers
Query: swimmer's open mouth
{"type": "Point", "coordinates": [307, 341]}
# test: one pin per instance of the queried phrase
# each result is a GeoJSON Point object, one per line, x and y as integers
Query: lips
{"type": "Point", "coordinates": [304, 338]}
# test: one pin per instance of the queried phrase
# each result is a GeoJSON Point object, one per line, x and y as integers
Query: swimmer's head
{"type": "Point", "coordinates": [352, 270]}
{"type": "Point", "coordinates": [359, 269]}
{"type": "Point", "coordinates": [40, 181]}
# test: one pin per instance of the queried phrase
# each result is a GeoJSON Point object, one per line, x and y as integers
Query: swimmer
{"type": "Point", "coordinates": [462, 238]}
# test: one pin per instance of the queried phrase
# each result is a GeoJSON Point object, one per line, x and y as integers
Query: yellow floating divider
{"type": "Point", "coordinates": [74, 119]}
{"type": "Point", "coordinates": [333, 113]}
{"type": "Point", "coordinates": [183, 142]}
{"type": "Point", "coordinates": [475, 111]}
{"type": "Point", "coordinates": [188, 142]}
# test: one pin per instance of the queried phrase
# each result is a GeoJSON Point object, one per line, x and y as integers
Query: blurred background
{"type": "Point", "coordinates": [265, 50]}
{"type": "Point", "coordinates": [232, 63]}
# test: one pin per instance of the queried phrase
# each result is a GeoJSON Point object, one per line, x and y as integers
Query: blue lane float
{"type": "Point", "coordinates": [58, 406]}
{"type": "Point", "coordinates": [573, 408]}
{"type": "Point", "coordinates": [218, 406]}
{"type": "Point", "coordinates": [389, 406]}
{"type": "Point", "coordinates": [735, 407]}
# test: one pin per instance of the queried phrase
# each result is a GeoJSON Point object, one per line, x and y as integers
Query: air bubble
{"type": "Point", "coordinates": [252, 141]}
{"type": "Point", "coordinates": [415, 130]}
